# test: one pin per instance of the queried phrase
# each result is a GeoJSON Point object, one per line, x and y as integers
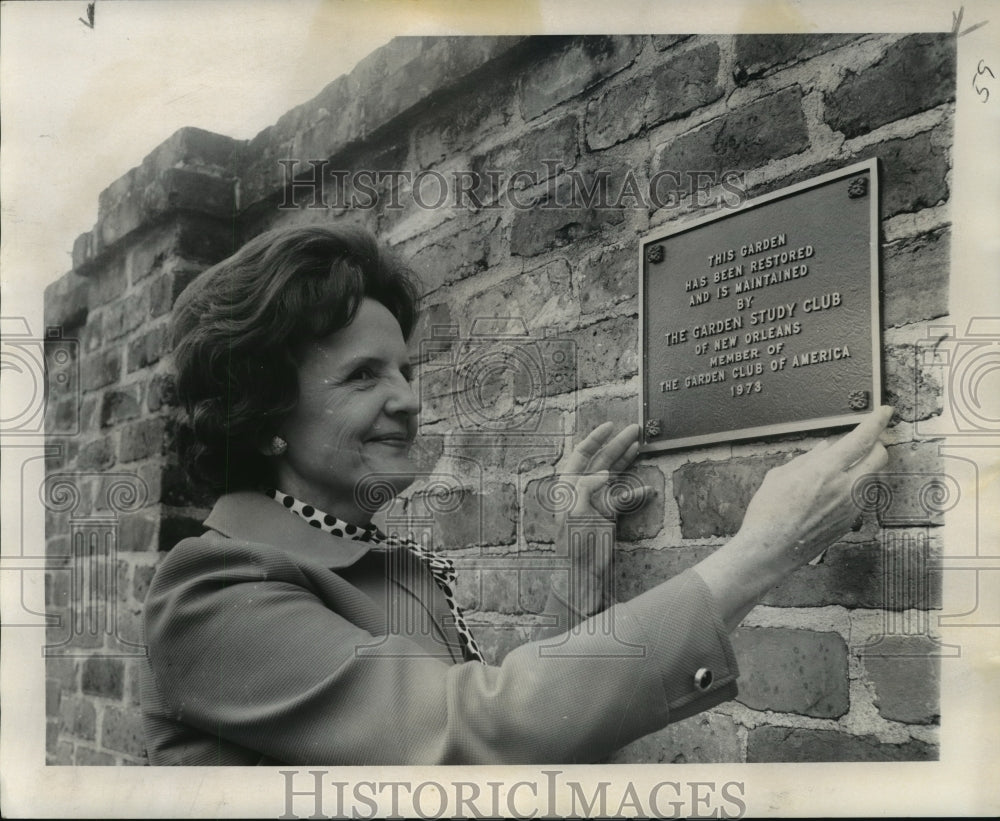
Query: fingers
{"type": "Point", "coordinates": [600, 451]}
{"type": "Point", "coordinates": [579, 459]}
{"type": "Point", "coordinates": [613, 455]}
{"type": "Point", "coordinates": [857, 444]}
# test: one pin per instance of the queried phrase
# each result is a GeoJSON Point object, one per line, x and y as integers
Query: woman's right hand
{"type": "Point", "coordinates": [800, 509]}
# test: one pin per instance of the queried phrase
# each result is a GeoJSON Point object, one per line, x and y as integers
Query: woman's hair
{"type": "Point", "coordinates": [239, 327]}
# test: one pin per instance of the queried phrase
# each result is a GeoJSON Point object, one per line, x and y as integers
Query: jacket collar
{"type": "Point", "coordinates": [254, 517]}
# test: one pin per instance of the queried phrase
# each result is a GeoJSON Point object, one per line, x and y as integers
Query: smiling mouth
{"type": "Point", "coordinates": [398, 439]}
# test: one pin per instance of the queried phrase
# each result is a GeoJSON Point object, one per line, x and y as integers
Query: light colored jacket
{"type": "Point", "coordinates": [273, 642]}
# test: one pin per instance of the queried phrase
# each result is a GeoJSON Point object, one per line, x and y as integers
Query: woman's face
{"type": "Point", "coordinates": [355, 419]}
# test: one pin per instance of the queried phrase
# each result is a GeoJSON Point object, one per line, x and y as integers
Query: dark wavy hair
{"type": "Point", "coordinates": [238, 330]}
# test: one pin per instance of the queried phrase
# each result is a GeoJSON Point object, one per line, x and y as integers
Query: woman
{"type": "Point", "coordinates": [292, 631]}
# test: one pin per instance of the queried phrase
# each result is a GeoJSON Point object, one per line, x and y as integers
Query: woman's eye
{"type": "Point", "coordinates": [362, 374]}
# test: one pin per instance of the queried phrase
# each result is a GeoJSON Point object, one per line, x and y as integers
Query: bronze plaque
{"type": "Point", "coordinates": [763, 319]}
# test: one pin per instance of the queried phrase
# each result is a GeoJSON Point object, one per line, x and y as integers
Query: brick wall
{"type": "Point", "coordinates": [838, 662]}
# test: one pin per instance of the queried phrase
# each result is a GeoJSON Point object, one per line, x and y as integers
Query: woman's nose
{"type": "Point", "coordinates": [403, 398]}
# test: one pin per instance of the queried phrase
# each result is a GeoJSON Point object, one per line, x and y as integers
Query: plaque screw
{"type": "Point", "coordinates": [652, 428]}
{"type": "Point", "coordinates": [857, 188]}
{"type": "Point", "coordinates": [857, 400]}
{"type": "Point", "coordinates": [654, 253]}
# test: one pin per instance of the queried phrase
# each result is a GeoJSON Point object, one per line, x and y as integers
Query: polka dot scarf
{"type": "Point", "coordinates": [441, 568]}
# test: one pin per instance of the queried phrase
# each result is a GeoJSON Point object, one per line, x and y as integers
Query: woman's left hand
{"type": "Point", "coordinates": [590, 466]}
{"type": "Point", "coordinates": [586, 528]}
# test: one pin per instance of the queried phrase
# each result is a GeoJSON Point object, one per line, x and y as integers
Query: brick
{"type": "Point", "coordinates": [618, 114]}
{"type": "Point", "coordinates": [125, 315]}
{"type": "Point", "coordinates": [661, 42]}
{"type": "Point", "coordinates": [138, 531]}
{"type": "Point", "coordinates": [87, 757]}
{"type": "Point", "coordinates": [915, 278]}
{"type": "Point", "coordinates": [576, 66]}
{"type": "Point", "coordinates": [913, 389]}
{"type": "Point", "coordinates": [79, 717]}
{"type": "Point", "coordinates": [531, 305]}
{"type": "Point", "coordinates": [542, 152]}
{"type": "Point", "coordinates": [101, 369]}
{"type": "Point", "coordinates": [646, 521]}
{"type": "Point", "coordinates": [67, 302]}
{"type": "Point", "coordinates": [913, 173]}
{"type": "Point", "coordinates": [108, 282]}
{"type": "Point", "coordinates": [62, 670]}
{"type": "Point", "coordinates": [702, 739]}
{"type": "Point", "coordinates": [772, 744]}
{"type": "Point", "coordinates": [594, 412]}
{"type": "Point", "coordinates": [766, 129]}
{"type": "Point", "coordinates": [757, 54]}
{"type": "Point", "coordinates": [907, 679]}
{"type": "Point", "coordinates": [581, 206]}
{"type": "Point", "coordinates": [792, 671]}
{"type": "Point", "coordinates": [147, 348]}
{"type": "Point", "coordinates": [146, 437]}
{"type": "Point", "coordinates": [57, 588]}
{"type": "Point", "coordinates": [605, 277]}
{"type": "Point", "coordinates": [120, 404]}
{"type": "Point", "coordinates": [712, 496]}
{"type": "Point", "coordinates": [892, 574]}
{"type": "Point", "coordinates": [468, 519]}
{"type": "Point", "coordinates": [189, 237]}
{"type": "Point", "coordinates": [606, 351]}
{"type": "Point", "coordinates": [917, 73]}
{"type": "Point", "coordinates": [141, 580]}
{"type": "Point", "coordinates": [97, 455]}
{"type": "Point", "coordinates": [165, 288]}
{"type": "Point", "coordinates": [432, 339]}
{"type": "Point", "coordinates": [500, 590]}
{"type": "Point", "coordinates": [52, 731]}
{"type": "Point", "coordinates": [53, 697]}
{"type": "Point", "coordinates": [162, 392]}
{"type": "Point", "coordinates": [454, 256]}
{"type": "Point", "coordinates": [121, 731]}
{"type": "Point", "coordinates": [683, 84]}
{"type": "Point", "coordinates": [457, 123]}
{"type": "Point", "coordinates": [63, 754]}
{"type": "Point", "coordinates": [103, 677]}
{"type": "Point", "coordinates": [913, 489]}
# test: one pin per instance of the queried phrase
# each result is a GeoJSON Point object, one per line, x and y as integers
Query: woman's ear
{"type": "Point", "coordinates": [275, 446]}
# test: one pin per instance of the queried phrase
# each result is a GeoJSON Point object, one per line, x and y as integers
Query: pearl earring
{"type": "Point", "coordinates": [278, 446]}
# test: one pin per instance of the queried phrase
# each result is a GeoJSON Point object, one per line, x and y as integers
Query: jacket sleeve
{"type": "Point", "coordinates": [242, 647]}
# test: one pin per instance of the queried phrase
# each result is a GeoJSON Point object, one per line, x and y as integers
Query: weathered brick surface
{"type": "Point", "coordinates": [468, 519]}
{"type": "Point", "coordinates": [911, 388]}
{"type": "Point", "coordinates": [579, 208]}
{"type": "Point", "coordinates": [702, 739]}
{"type": "Point", "coordinates": [120, 405]}
{"type": "Point", "coordinates": [122, 731]}
{"type": "Point", "coordinates": [894, 574]}
{"type": "Point", "coordinates": [916, 73]}
{"type": "Point", "coordinates": [575, 67]}
{"type": "Point", "coordinates": [767, 129]}
{"type": "Point", "coordinates": [792, 671]}
{"type": "Point", "coordinates": [915, 278]}
{"type": "Point", "coordinates": [907, 679]}
{"type": "Point", "coordinates": [101, 369]}
{"type": "Point", "coordinates": [606, 351]}
{"type": "Point", "coordinates": [757, 54]}
{"type": "Point", "coordinates": [713, 496]}
{"type": "Point", "coordinates": [638, 570]}
{"type": "Point", "coordinates": [79, 717]}
{"type": "Point", "coordinates": [605, 277]}
{"type": "Point", "coordinates": [87, 757]}
{"type": "Point", "coordinates": [767, 744]}
{"type": "Point", "coordinates": [142, 439]}
{"type": "Point", "coordinates": [103, 677]}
